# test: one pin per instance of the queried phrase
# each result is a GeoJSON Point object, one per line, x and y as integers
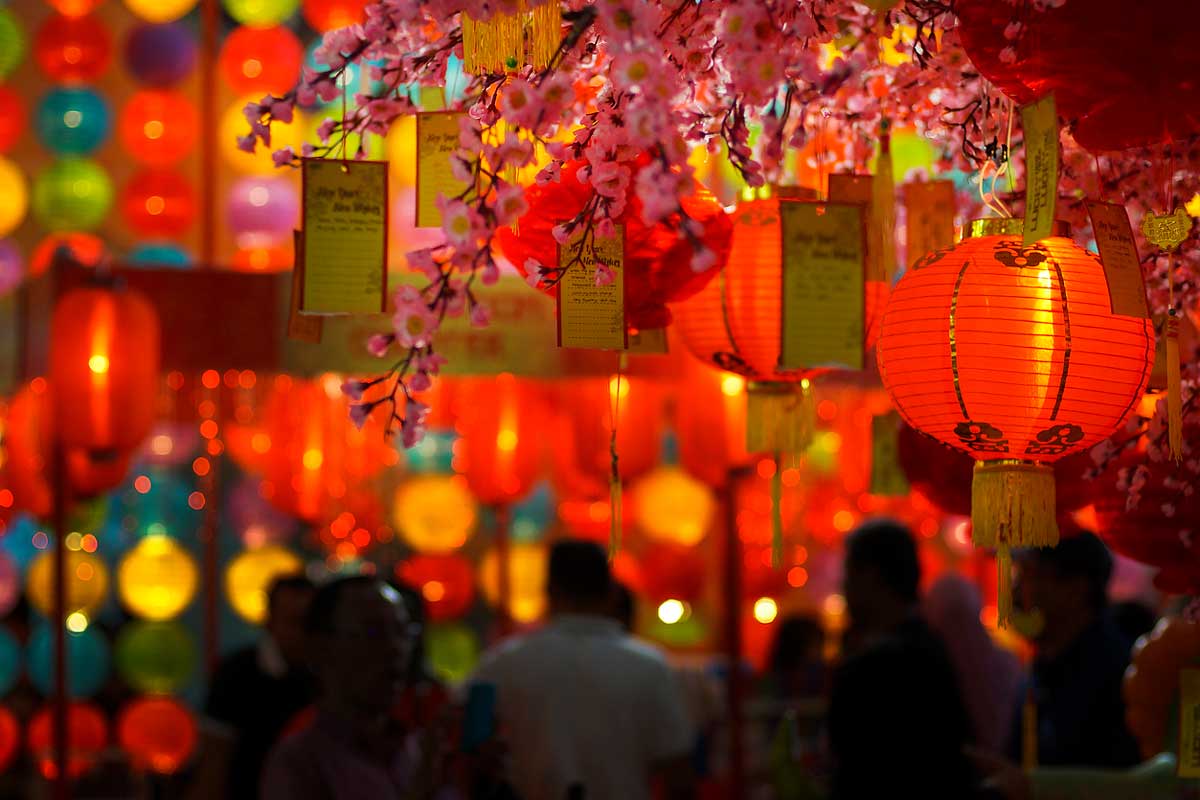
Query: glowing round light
{"type": "Point", "coordinates": [445, 582]}
{"type": "Point", "coordinates": [158, 203]}
{"type": "Point", "coordinates": [73, 121]}
{"type": "Point", "coordinates": [87, 661]}
{"type": "Point", "coordinates": [10, 661]}
{"type": "Point", "coordinates": [15, 194]}
{"type": "Point", "coordinates": [160, 55]}
{"type": "Point", "coordinates": [73, 8]}
{"type": "Point", "coordinates": [261, 13]}
{"type": "Point", "coordinates": [250, 574]}
{"type": "Point", "coordinates": [157, 579]}
{"type": "Point", "coordinates": [261, 60]}
{"type": "Point", "coordinates": [158, 127]}
{"type": "Point", "coordinates": [765, 610]}
{"type": "Point", "coordinates": [435, 513]}
{"type": "Point", "coordinates": [453, 651]}
{"type": "Point", "coordinates": [12, 43]}
{"type": "Point", "coordinates": [527, 565]}
{"type": "Point", "coordinates": [158, 733]}
{"type": "Point", "coordinates": [672, 506]}
{"type": "Point", "coordinates": [326, 15]}
{"type": "Point", "coordinates": [72, 194]}
{"type": "Point", "coordinates": [87, 583]}
{"type": "Point", "coordinates": [98, 364]}
{"type": "Point", "coordinates": [262, 211]}
{"type": "Point", "coordinates": [233, 125]}
{"type": "Point", "coordinates": [160, 10]}
{"type": "Point", "coordinates": [671, 611]}
{"type": "Point", "coordinates": [73, 49]}
{"type": "Point", "coordinates": [87, 736]}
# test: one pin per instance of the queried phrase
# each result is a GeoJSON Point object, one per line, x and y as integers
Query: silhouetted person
{"type": "Point", "coordinates": [360, 646]}
{"type": "Point", "coordinates": [624, 606]}
{"type": "Point", "coordinates": [1133, 619]}
{"type": "Point", "coordinates": [897, 724]}
{"type": "Point", "coordinates": [797, 661]}
{"type": "Point", "coordinates": [1081, 656]}
{"type": "Point", "coordinates": [582, 703]}
{"type": "Point", "coordinates": [256, 691]}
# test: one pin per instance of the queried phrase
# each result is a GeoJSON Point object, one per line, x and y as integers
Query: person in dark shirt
{"type": "Point", "coordinates": [897, 724]}
{"type": "Point", "coordinates": [1081, 656]}
{"type": "Point", "coordinates": [256, 691]}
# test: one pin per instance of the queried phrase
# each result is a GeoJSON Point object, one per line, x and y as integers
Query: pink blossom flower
{"type": "Point", "coordinates": [429, 362]}
{"type": "Point", "coordinates": [354, 388]}
{"type": "Point", "coordinates": [414, 325]}
{"type": "Point", "coordinates": [326, 128]}
{"type": "Point", "coordinates": [359, 412]}
{"type": "Point", "coordinates": [604, 275]}
{"type": "Point", "coordinates": [420, 381]}
{"type": "Point", "coordinates": [703, 258]}
{"type": "Point", "coordinates": [283, 156]}
{"type": "Point", "coordinates": [461, 223]}
{"type": "Point", "coordinates": [489, 273]}
{"type": "Point", "coordinates": [510, 204]}
{"type": "Point", "coordinates": [480, 315]}
{"type": "Point", "coordinates": [378, 344]}
{"type": "Point", "coordinates": [247, 143]}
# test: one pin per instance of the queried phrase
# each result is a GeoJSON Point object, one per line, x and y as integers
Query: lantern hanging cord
{"type": "Point", "coordinates": [614, 478]}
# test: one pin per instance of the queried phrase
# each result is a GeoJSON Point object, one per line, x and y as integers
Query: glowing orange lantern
{"type": "Point", "coordinates": [1011, 353]}
{"type": "Point", "coordinates": [73, 49]}
{"type": "Point", "coordinates": [316, 452]}
{"type": "Point", "coordinates": [104, 368]}
{"type": "Point", "coordinates": [710, 420]}
{"type": "Point", "coordinates": [672, 506]}
{"type": "Point", "coordinates": [158, 203]}
{"type": "Point", "coordinates": [501, 437]}
{"type": "Point", "coordinates": [446, 582]}
{"type": "Point", "coordinates": [158, 127]}
{"type": "Point", "coordinates": [325, 15]}
{"type": "Point", "coordinates": [84, 249]}
{"type": "Point", "coordinates": [261, 60]}
{"type": "Point", "coordinates": [87, 736]}
{"type": "Point", "coordinates": [158, 733]}
{"type": "Point", "coordinates": [10, 738]}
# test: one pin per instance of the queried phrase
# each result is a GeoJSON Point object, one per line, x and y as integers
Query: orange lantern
{"type": "Point", "coordinates": [316, 453]}
{"type": "Point", "coordinates": [158, 733]}
{"type": "Point", "coordinates": [158, 127]}
{"type": "Point", "coordinates": [446, 582]}
{"type": "Point", "coordinates": [326, 15]}
{"type": "Point", "coordinates": [10, 738]}
{"type": "Point", "coordinates": [158, 203]}
{"type": "Point", "coordinates": [87, 736]}
{"type": "Point", "coordinates": [73, 49]}
{"type": "Point", "coordinates": [710, 420]}
{"type": "Point", "coordinates": [261, 60]}
{"type": "Point", "coordinates": [104, 367]}
{"type": "Point", "coordinates": [1011, 353]}
{"type": "Point", "coordinates": [84, 249]}
{"type": "Point", "coordinates": [500, 445]}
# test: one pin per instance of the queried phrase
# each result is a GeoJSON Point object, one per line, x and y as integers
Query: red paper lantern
{"type": "Point", "coordinates": [158, 203]}
{"type": "Point", "coordinates": [734, 323]}
{"type": "Point", "coordinates": [1151, 685]}
{"type": "Point", "coordinates": [158, 127]}
{"type": "Point", "coordinates": [12, 118]}
{"type": "Point", "coordinates": [326, 15]}
{"type": "Point", "coordinates": [74, 8]}
{"type": "Point", "coordinates": [1146, 96]}
{"type": "Point", "coordinates": [671, 572]}
{"type": "Point", "coordinates": [1011, 353]}
{"type": "Point", "coordinates": [104, 351]}
{"type": "Point", "coordinates": [501, 436]}
{"type": "Point", "coordinates": [261, 60]}
{"type": "Point", "coordinates": [158, 733]}
{"type": "Point", "coordinates": [73, 49]}
{"type": "Point", "coordinates": [87, 736]}
{"type": "Point", "coordinates": [83, 248]}
{"type": "Point", "coordinates": [446, 582]}
{"type": "Point", "coordinates": [10, 738]}
{"type": "Point", "coordinates": [710, 422]}
{"type": "Point", "coordinates": [657, 259]}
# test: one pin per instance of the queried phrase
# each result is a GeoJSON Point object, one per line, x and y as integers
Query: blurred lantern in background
{"type": "Point", "coordinates": [12, 266]}
{"type": "Point", "coordinates": [326, 15]}
{"type": "Point", "coordinates": [158, 733]}
{"type": "Point", "coordinates": [104, 355]}
{"type": "Point", "coordinates": [73, 8]}
{"type": "Point", "coordinates": [10, 585]}
{"type": "Point", "coordinates": [88, 662]}
{"type": "Point", "coordinates": [10, 661]}
{"type": "Point", "coordinates": [160, 56]}
{"type": "Point", "coordinates": [84, 249]}
{"type": "Point", "coordinates": [670, 572]}
{"type": "Point", "coordinates": [160, 10]}
{"type": "Point", "coordinates": [73, 49]}
{"type": "Point", "coordinates": [671, 506]}
{"type": "Point", "coordinates": [435, 513]}
{"type": "Point", "coordinates": [72, 194]}
{"type": "Point", "coordinates": [710, 422]}
{"type": "Point", "coordinates": [501, 439]}
{"type": "Point", "coordinates": [262, 211]}
{"type": "Point", "coordinates": [446, 583]}
{"type": "Point", "coordinates": [261, 60]}
{"type": "Point", "coordinates": [155, 657]}
{"type": "Point", "coordinates": [87, 737]}
{"type": "Point", "coordinates": [159, 255]}
{"type": "Point", "coordinates": [233, 124]}
{"type": "Point", "coordinates": [260, 13]}
{"type": "Point", "coordinates": [250, 574]}
{"type": "Point", "coordinates": [16, 197]}
{"type": "Point", "coordinates": [527, 564]}
{"type": "Point", "coordinates": [157, 579]}
{"type": "Point", "coordinates": [453, 651]}
{"type": "Point", "coordinates": [12, 43]}
{"type": "Point", "coordinates": [73, 122]}
{"type": "Point", "coordinates": [10, 738]}
{"type": "Point", "coordinates": [12, 118]}
{"type": "Point", "coordinates": [87, 584]}
{"type": "Point", "coordinates": [158, 203]}
{"type": "Point", "coordinates": [1151, 687]}
{"type": "Point", "coordinates": [158, 127]}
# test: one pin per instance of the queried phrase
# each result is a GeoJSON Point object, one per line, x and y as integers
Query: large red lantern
{"type": "Point", "coordinates": [710, 420]}
{"type": "Point", "coordinates": [104, 352]}
{"type": "Point", "coordinates": [73, 49]}
{"type": "Point", "coordinates": [87, 736]}
{"type": "Point", "coordinates": [501, 426]}
{"type": "Point", "coordinates": [1146, 96]}
{"type": "Point", "coordinates": [1011, 353]}
{"type": "Point", "coordinates": [261, 60]}
{"type": "Point", "coordinates": [158, 127]}
{"type": "Point", "coordinates": [158, 733]}
{"type": "Point", "coordinates": [658, 261]}
{"type": "Point", "coordinates": [158, 203]}
{"type": "Point", "coordinates": [1152, 681]}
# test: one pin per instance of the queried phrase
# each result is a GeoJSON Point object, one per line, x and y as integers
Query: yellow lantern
{"type": "Point", "coordinates": [160, 10]}
{"type": "Point", "coordinates": [435, 513]}
{"type": "Point", "coordinates": [527, 566]}
{"type": "Point", "coordinates": [87, 583]}
{"type": "Point", "coordinates": [672, 506]}
{"type": "Point", "coordinates": [402, 152]}
{"type": "Point", "coordinates": [249, 576]}
{"type": "Point", "coordinates": [260, 162]}
{"type": "Point", "coordinates": [16, 197]}
{"type": "Point", "coordinates": [157, 579]}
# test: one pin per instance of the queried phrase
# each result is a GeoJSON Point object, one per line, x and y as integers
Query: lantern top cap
{"type": "Point", "coordinates": [1008, 226]}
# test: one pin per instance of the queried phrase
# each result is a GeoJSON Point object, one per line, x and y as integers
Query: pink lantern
{"type": "Point", "coordinates": [262, 211]}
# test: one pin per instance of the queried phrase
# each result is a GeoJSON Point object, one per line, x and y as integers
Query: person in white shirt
{"type": "Point", "coordinates": [583, 705]}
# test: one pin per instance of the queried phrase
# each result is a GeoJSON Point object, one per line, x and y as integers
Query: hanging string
{"type": "Point", "coordinates": [345, 131]}
{"type": "Point", "coordinates": [614, 478]}
{"type": "Point", "coordinates": [822, 184]}
{"type": "Point", "coordinates": [777, 513]}
{"type": "Point", "coordinates": [1174, 379]}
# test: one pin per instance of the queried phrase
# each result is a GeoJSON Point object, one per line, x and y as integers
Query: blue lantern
{"type": "Point", "coordinates": [73, 122]}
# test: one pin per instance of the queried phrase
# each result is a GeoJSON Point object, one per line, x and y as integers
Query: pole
{"type": "Point", "coordinates": [62, 787]}
{"type": "Point", "coordinates": [733, 635]}
{"type": "Point", "coordinates": [209, 25]}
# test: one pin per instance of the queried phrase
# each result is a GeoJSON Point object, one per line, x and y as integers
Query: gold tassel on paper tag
{"type": "Point", "coordinates": [881, 236]}
{"type": "Point", "coordinates": [498, 44]}
{"type": "Point", "coordinates": [1167, 232]}
{"type": "Point", "coordinates": [779, 417]}
{"type": "Point", "coordinates": [1174, 390]}
{"type": "Point", "coordinates": [1012, 505]}
{"type": "Point", "coordinates": [777, 514]}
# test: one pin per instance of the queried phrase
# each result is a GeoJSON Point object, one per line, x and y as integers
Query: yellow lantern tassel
{"type": "Point", "coordinates": [1174, 391]}
{"type": "Point", "coordinates": [495, 45]}
{"type": "Point", "coordinates": [881, 236]}
{"type": "Point", "coordinates": [779, 417]}
{"type": "Point", "coordinates": [1003, 586]}
{"type": "Point", "coordinates": [777, 514]}
{"type": "Point", "coordinates": [545, 33]}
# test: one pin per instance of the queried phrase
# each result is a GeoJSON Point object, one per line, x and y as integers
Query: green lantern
{"type": "Point", "coordinates": [453, 651]}
{"type": "Point", "coordinates": [73, 194]}
{"type": "Point", "coordinates": [156, 657]}
{"type": "Point", "coordinates": [12, 43]}
{"type": "Point", "coordinates": [261, 13]}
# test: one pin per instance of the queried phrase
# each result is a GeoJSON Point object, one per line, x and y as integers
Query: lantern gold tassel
{"type": "Point", "coordinates": [545, 33]}
{"type": "Point", "coordinates": [881, 242]}
{"type": "Point", "coordinates": [494, 45]}
{"type": "Point", "coordinates": [777, 514]}
{"type": "Point", "coordinates": [1029, 732]}
{"type": "Point", "coordinates": [779, 417]}
{"type": "Point", "coordinates": [1012, 505]}
{"type": "Point", "coordinates": [1174, 399]}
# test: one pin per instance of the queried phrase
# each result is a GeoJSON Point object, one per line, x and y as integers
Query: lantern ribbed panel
{"type": "Point", "coordinates": [1011, 351]}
